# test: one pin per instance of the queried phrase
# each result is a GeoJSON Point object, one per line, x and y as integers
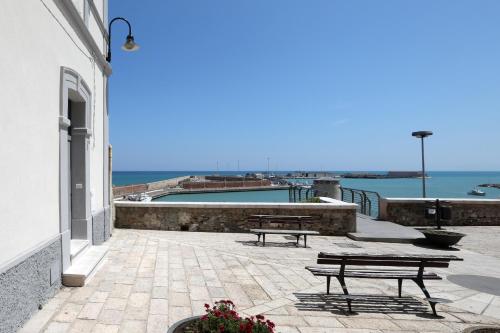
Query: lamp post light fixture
{"type": "Point", "coordinates": [421, 135]}
{"type": "Point", "coordinates": [129, 44]}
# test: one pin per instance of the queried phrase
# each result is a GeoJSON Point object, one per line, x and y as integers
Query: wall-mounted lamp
{"type": "Point", "coordinates": [129, 45]}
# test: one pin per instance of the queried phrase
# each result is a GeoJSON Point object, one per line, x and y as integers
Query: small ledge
{"type": "Point", "coordinates": [77, 246]}
{"type": "Point", "coordinates": [84, 266]}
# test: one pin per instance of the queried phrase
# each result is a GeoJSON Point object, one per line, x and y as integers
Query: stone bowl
{"type": "Point", "coordinates": [482, 329]}
{"type": "Point", "coordinates": [441, 237]}
{"type": "Point", "coordinates": [183, 326]}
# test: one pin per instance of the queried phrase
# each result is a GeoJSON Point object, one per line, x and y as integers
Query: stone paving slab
{"type": "Point", "coordinates": [150, 279]}
{"type": "Point", "coordinates": [369, 229]}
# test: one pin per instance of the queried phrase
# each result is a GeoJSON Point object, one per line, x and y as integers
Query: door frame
{"type": "Point", "coordinates": [73, 88]}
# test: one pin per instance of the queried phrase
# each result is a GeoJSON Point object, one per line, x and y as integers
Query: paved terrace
{"type": "Point", "coordinates": [151, 279]}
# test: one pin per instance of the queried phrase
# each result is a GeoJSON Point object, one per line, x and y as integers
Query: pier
{"type": "Point", "coordinates": [161, 193]}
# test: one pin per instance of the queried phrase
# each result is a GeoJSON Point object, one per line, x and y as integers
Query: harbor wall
{"type": "Point", "coordinates": [464, 212]}
{"type": "Point", "coordinates": [162, 184]}
{"type": "Point", "coordinates": [119, 191]}
{"type": "Point", "coordinates": [229, 184]}
{"type": "Point", "coordinates": [336, 218]}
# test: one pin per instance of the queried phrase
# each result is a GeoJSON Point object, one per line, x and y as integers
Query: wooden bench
{"type": "Point", "coordinates": [417, 275]}
{"type": "Point", "coordinates": [282, 219]}
{"type": "Point", "coordinates": [296, 233]}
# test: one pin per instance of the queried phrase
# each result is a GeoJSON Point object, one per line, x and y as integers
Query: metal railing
{"type": "Point", "coordinates": [298, 193]}
{"type": "Point", "coordinates": [368, 201]}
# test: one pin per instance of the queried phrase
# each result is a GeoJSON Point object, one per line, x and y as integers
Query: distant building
{"type": "Point", "coordinates": [310, 174]}
{"type": "Point", "coordinates": [404, 174]}
{"type": "Point", "coordinates": [54, 150]}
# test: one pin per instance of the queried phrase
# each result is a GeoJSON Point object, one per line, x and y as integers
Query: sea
{"type": "Point", "coordinates": [440, 184]}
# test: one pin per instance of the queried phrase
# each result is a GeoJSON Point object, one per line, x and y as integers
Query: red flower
{"type": "Point", "coordinates": [259, 317]}
{"type": "Point", "coordinates": [207, 306]}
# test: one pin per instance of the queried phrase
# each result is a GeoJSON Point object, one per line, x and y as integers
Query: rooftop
{"type": "Point", "coordinates": [150, 279]}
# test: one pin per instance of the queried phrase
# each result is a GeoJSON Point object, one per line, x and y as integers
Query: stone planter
{"type": "Point", "coordinates": [441, 237]}
{"type": "Point", "coordinates": [184, 325]}
{"type": "Point", "coordinates": [482, 329]}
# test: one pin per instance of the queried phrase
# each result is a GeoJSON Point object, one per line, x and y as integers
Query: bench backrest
{"type": "Point", "coordinates": [385, 260]}
{"type": "Point", "coordinates": [281, 219]}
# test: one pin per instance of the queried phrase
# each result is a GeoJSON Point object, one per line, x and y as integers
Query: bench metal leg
{"type": "Point", "coordinates": [328, 279]}
{"type": "Point", "coordinates": [344, 289]}
{"type": "Point", "coordinates": [305, 240]}
{"type": "Point", "coordinates": [263, 239]}
{"type": "Point", "coordinates": [258, 238]}
{"type": "Point", "coordinates": [298, 237]}
{"type": "Point", "coordinates": [421, 284]}
{"type": "Point", "coordinates": [400, 286]}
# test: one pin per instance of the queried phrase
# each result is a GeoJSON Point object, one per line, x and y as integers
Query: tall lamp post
{"type": "Point", "coordinates": [129, 44]}
{"type": "Point", "coordinates": [421, 135]}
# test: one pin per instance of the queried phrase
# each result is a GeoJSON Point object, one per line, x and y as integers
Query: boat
{"type": "Point", "coordinates": [477, 192]}
{"type": "Point", "coordinates": [143, 197]}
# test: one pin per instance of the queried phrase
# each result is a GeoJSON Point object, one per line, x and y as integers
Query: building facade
{"type": "Point", "coordinates": [54, 147]}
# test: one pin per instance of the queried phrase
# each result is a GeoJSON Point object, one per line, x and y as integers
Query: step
{"type": "Point", "coordinates": [380, 237]}
{"type": "Point", "coordinates": [372, 230]}
{"type": "Point", "coordinates": [77, 246]}
{"type": "Point", "coordinates": [84, 266]}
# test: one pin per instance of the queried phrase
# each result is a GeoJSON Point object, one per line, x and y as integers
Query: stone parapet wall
{"type": "Point", "coordinates": [336, 218]}
{"type": "Point", "coordinates": [464, 212]}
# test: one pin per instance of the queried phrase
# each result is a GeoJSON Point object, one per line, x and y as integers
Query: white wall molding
{"type": "Point", "coordinates": [98, 19]}
{"type": "Point", "coordinates": [28, 253]}
{"type": "Point", "coordinates": [69, 10]}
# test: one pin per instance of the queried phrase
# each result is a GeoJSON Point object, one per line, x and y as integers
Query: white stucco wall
{"type": "Point", "coordinates": [39, 41]}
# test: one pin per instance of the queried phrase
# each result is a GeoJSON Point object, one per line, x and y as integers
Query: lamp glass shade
{"type": "Point", "coordinates": [421, 134]}
{"type": "Point", "coordinates": [130, 45]}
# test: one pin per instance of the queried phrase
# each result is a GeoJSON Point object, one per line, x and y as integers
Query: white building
{"type": "Point", "coordinates": [54, 150]}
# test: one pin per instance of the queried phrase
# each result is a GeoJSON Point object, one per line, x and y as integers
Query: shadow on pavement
{"type": "Point", "coordinates": [336, 304]}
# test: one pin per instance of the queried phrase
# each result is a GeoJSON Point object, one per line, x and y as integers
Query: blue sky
{"type": "Point", "coordinates": [316, 84]}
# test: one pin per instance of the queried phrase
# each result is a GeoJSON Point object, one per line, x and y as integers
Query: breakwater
{"type": "Point", "coordinates": [120, 191]}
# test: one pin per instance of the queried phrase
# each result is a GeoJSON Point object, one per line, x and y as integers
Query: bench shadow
{"type": "Point", "coordinates": [424, 243]}
{"type": "Point", "coordinates": [271, 244]}
{"type": "Point", "coordinates": [336, 304]}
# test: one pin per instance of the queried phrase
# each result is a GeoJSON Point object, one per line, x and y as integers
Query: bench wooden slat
{"type": "Point", "coordinates": [303, 217]}
{"type": "Point", "coordinates": [281, 231]}
{"type": "Point", "coordinates": [282, 221]}
{"type": "Point", "coordinates": [373, 274]}
{"type": "Point", "coordinates": [366, 262]}
{"type": "Point", "coordinates": [397, 257]}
